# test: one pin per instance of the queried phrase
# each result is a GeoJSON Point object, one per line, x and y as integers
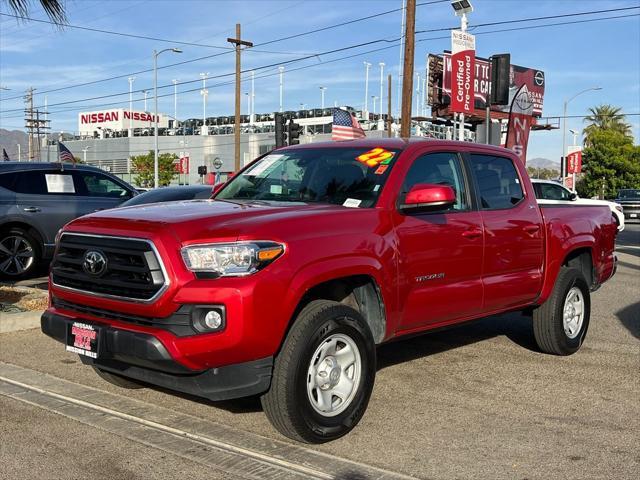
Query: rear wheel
{"type": "Point", "coordinates": [20, 253]}
{"type": "Point", "coordinates": [324, 374]}
{"type": "Point", "coordinates": [560, 324]}
{"type": "Point", "coordinates": [117, 380]}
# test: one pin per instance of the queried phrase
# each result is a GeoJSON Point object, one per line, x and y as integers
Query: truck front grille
{"type": "Point", "coordinates": [123, 268]}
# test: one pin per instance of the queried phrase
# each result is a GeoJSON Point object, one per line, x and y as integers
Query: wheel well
{"type": "Point", "coordinates": [581, 259]}
{"type": "Point", "coordinates": [360, 292]}
{"type": "Point", "coordinates": [24, 226]}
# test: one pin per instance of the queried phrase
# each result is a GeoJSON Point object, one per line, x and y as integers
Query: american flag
{"type": "Point", "coordinates": [345, 126]}
{"type": "Point", "coordinates": [5, 157]}
{"type": "Point", "coordinates": [64, 155]}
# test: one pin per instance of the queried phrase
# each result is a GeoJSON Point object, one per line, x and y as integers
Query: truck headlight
{"type": "Point", "coordinates": [231, 259]}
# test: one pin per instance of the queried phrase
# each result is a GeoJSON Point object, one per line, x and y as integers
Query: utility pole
{"type": "Point", "coordinates": [407, 78]}
{"type": "Point", "coordinates": [238, 42]}
{"type": "Point", "coordinates": [389, 119]}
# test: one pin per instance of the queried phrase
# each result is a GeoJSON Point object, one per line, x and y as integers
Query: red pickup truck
{"type": "Point", "coordinates": [311, 256]}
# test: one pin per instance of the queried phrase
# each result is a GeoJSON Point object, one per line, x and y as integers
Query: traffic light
{"type": "Point", "coordinates": [500, 66]}
{"type": "Point", "coordinates": [281, 134]}
{"type": "Point", "coordinates": [294, 130]}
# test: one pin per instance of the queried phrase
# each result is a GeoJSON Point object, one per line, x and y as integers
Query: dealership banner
{"type": "Point", "coordinates": [520, 120]}
{"type": "Point", "coordinates": [440, 79]}
{"type": "Point", "coordinates": [574, 161]}
{"type": "Point", "coordinates": [463, 58]}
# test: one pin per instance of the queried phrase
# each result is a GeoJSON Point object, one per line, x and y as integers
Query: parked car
{"type": "Point", "coordinates": [309, 258]}
{"type": "Point", "coordinates": [171, 194]}
{"type": "Point", "coordinates": [629, 199]}
{"type": "Point", "coordinates": [38, 198]}
{"type": "Point", "coordinates": [549, 192]}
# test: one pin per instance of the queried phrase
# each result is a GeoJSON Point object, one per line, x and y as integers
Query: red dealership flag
{"type": "Point", "coordinates": [345, 126]}
{"type": "Point", "coordinates": [463, 66]}
{"type": "Point", "coordinates": [520, 120]}
{"type": "Point", "coordinates": [574, 162]}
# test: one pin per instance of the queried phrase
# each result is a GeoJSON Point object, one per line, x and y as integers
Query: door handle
{"type": "Point", "coordinates": [532, 229]}
{"type": "Point", "coordinates": [31, 209]}
{"type": "Point", "coordinates": [473, 233]}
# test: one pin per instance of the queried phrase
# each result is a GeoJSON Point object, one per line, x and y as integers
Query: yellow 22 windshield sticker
{"type": "Point", "coordinates": [375, 157]}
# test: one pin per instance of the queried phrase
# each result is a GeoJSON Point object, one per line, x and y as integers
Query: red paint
{"type": "Point", "coordinates": [490, 261]}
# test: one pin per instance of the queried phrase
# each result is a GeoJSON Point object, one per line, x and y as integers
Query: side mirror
{"type": "Point", "coordinates": [425, 196]}
{"type": "Point", "coordinates": [573, 196]}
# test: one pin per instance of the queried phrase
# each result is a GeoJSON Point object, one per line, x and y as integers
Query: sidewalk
{"type": "Point", "coordinates": [13, 322]}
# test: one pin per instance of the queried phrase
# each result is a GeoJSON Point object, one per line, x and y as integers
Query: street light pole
{"type": "Point", "coordinates": [367, 65]}
{"type": "Point", "coordinates": [205, 93]}
{"type": "Point", "coordinates": [381, 84]}
{"type": "Point", "coordinates": [252, 111]}
{"type": "Point", "coordinates": [281, 70]}
{"type": "Point", "coordinates": [322, 89]}
{"type": "Point", "coordinates": [19, 153]}
{"type": "Point", "coordinates": [155, 94]}
{"type": "Point", "coordinates": [175, 102]}
{"type": "Point", "coordinates": [374, 98]}
{"type": "Point", "coordinates": [145, 93]}
{"type": "Point", "coordinates": [84, 154]}
{"type": "Point", "coordinates": [131, 79]}
{"type": "Point", "coordinates": [563, 158]}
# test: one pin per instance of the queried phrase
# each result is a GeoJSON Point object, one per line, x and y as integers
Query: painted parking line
{"type": "Point", "coordinates": [233, 452]}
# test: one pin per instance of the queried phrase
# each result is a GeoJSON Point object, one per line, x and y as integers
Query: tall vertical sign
{"type": "Point", "coordinates": [520, 120]}
{"type": "Point", "coordinates": [463, 67]}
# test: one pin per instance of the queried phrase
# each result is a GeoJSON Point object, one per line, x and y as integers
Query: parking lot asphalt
{"type": "Point", "coordinates": [475, 401]}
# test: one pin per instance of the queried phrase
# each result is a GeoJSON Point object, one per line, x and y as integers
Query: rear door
{"type": "Point", "coordinates": [47, 198]}
{"type": "Point", "coordinates": [439, 251]}
{"type": "Point", "coordinates": [514, 233]}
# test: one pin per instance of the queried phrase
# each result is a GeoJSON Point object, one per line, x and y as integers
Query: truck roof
{"type": "Point", "coordinates": [399, 143]}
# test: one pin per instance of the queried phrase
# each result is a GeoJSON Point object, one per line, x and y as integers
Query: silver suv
{"type": "Point", "coordinates": [37, 199]}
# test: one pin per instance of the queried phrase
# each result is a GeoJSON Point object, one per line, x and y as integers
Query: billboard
{"type": "Point", "coordinates": [118, 119]}
{"type": "Point", "coordinates": [463, 46]}
{"type": "Point", "coordinates": [440, 78]}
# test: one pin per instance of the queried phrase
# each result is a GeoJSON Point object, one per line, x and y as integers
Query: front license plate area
{"type": "Point", "coordinates": [634, 215]}
{"type": "Point", "coordinates": [83, 339]}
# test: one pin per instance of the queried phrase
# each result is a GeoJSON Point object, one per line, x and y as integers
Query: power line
{"type": "Point", "coordinates": [206, 57]}
{"type": "Point", "coordinates": [329, 61]}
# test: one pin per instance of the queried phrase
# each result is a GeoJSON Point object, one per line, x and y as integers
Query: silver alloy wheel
{"type": "Point", "coordinates": [16, 255]}
{"type": "Point", "coordinates": [334, 375]}
{"type": "Point", "coordinates": [573, 312]}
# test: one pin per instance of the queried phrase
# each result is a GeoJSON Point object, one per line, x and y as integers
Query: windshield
{"type": "Point", "coordinates": [629, 194]}
{"type": "Point", "coordinates": [352, 177]}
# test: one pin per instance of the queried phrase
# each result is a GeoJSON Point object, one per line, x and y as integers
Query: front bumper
{"type": "Point", "coordinates": [142, 357]}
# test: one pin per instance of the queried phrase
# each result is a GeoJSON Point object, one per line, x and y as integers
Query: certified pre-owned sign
{"type": "Point", "coordinates": [463, 57]}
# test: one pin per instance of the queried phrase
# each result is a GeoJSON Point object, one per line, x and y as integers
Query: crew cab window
{"type": "Point", "coordinates": [549, 191]}
{"type": "Point", "coordinates": [440, 169]}
{"type": "Point", "coordinates": [347, 176]}
{"type": "Point", "coordinates": [97, 185]}
{"type": "Point", "coordinates": [498, 181]}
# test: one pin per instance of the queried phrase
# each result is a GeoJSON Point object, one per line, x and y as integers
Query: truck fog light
{"type": "Point", "coordinates": [213, 319]}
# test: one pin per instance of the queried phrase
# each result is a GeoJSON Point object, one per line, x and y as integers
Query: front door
{"type": "Point", "coordinates": [440, 251]}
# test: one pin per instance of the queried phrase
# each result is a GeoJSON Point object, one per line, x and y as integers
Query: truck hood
{"type": "Point", "coordinates": [197, 220]}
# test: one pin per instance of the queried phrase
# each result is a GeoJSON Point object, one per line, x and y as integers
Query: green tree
{"type": "Point", "coordinates": [610, 162]}
{"type": "Point", "coordinates": [143, 168]}
{"type": "Point", "coordinates": [605, 117]}
{"type": "Point", "coordinates": [543, 173]}
{"type": "Point", "coordinates": [53, 8]}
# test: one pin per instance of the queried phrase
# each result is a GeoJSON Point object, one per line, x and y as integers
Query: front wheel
{"type": "Point", "coordinates": [560, 324]}
{"type": "Point", "coordinates": [323, 376]}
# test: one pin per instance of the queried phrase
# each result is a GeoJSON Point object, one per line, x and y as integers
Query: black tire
{"type": "Point", "coordinates": [7, 236]}
{"type": "Point", "coordinates": [117, 380]}
{"type": "Point", "coordinates": [548, 325]}
{"type": "Point", "coordinates": [287, 403]}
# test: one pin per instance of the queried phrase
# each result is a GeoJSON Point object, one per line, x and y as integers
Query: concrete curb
{"type": "Point", "coordinates": [14, 322]}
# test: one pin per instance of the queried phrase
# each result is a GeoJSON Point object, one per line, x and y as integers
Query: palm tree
{"type": "Point", "coordinates": [605, 117]}
{"type": "Point", "coordinates": [53, 8]}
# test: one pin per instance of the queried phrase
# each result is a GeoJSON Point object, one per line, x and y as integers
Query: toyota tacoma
{"type": "Point", "coordinates": [285, 282]}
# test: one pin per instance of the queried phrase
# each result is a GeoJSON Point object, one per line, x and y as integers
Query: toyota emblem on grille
{"type": "Point", "coordinates": [94, 263]}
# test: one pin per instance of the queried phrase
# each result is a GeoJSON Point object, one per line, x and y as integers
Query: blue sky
{"type": "Point", "coordinates": [573, 57]}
